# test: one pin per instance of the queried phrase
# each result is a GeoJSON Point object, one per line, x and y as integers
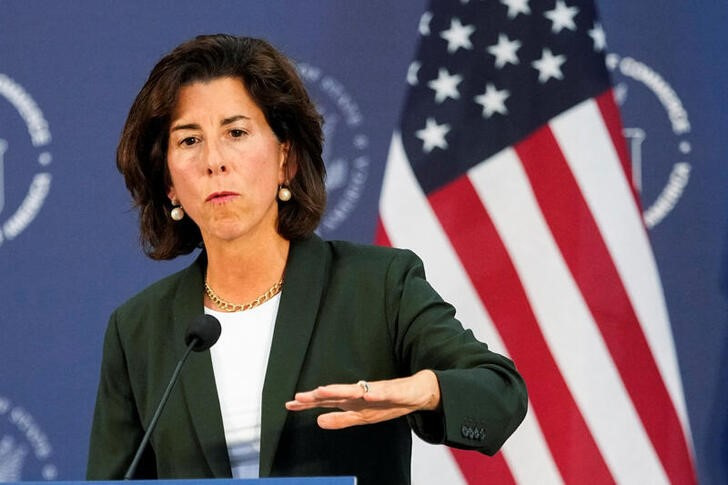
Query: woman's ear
{"type": "Point", "coordinates": [288, 166]}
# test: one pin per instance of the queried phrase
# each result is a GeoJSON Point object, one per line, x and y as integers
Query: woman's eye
{"type": "Point", "coordinates": [235, 133]}
{"type": "Point", "coordinates": [190, 140]}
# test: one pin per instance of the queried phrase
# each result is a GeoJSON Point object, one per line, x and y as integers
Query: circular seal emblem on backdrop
{"type": "Point", "coordinates": [25, 452]}
{"type": "Point", "coordinates": [345, 148]}
{"type": "Point", "coordinates": [664, 185]}
{"type": "Point", "coordinates": [24, 138]}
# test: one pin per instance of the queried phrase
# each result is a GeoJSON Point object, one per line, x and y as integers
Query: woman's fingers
{"type": "Point", "coordinates": [331, 392]}
{"type": "Point", "coordinates": [325, 396]}
{"type": "Point", "coordinates": [339, 420]}
{"type": "Point", "coordinates": [370, 402]}
{"type": "Point", "coordinates": [297, 405]}
{"type": "Point", "coordinates": [345, 419]}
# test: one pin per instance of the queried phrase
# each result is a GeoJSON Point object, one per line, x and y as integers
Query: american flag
{"type": "Point", "coordinates": [508, 175]}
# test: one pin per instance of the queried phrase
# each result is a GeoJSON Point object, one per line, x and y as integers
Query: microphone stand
{"type": "Point", "coordinates": [132, 468]}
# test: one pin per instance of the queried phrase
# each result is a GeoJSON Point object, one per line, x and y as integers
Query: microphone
{"type": "Point", "coordinates": [202, 333]}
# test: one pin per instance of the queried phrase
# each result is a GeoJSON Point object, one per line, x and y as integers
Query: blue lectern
{"type": "Point", "coordinates": [217, 481]}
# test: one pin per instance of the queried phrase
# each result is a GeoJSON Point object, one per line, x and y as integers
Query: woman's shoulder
{"type": "Point", "coordinates": [159, 294]}
{"type": "Point", "coordinates": [369, 253]}
{"type": "Point", "coordinates": [371, 260]}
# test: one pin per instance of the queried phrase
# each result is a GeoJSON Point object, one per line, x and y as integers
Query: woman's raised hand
{"type": "Point", "coordinates": [370, 402]}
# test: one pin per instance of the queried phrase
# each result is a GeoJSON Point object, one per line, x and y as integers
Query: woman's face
{"type": "Point", "coordinates": [225, 161]}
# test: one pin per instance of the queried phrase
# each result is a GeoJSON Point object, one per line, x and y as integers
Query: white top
{"type": "Point", "coordinates": [239, 360]}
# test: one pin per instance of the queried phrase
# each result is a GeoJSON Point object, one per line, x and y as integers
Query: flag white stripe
{"type": "Point", "coordinates": [434, 464]}
{"type": "Point", "coordinates": [528, 463]}
{"type": "Point", "coordinates": [565, 320]}
{"type": "Point", "coordinates": [410, 222]}
{"type": "Point", "coordinates": [581, 133]}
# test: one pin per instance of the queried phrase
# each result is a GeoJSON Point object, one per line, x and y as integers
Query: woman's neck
{"type": "Point", "coordinates": [242, 270]}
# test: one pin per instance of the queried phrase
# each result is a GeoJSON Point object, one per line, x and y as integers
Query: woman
{"type": "Point", "coordinates": [222, 149]}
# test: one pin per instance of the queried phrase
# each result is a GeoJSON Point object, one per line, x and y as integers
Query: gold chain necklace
{"type": "Point", "coordinates": [226, 306]}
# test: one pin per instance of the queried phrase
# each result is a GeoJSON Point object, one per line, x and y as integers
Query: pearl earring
{"type": "Point", "coordinates": [284, 195]}
{"type": "Point", "coordinates": [177, 213]}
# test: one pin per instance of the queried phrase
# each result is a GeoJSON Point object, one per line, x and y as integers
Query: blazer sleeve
{"type": "Point", "coordinates": [483, 397]}
{"type": "Point", "coordinates": [116, 430]}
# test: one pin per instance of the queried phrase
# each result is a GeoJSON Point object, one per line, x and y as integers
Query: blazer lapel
{"type": "Point", "coordinates": [197, 381]}
{"type": "Point", "coordinates": [304, 283]}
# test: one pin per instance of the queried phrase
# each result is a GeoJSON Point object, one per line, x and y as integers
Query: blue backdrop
{"type": "Point", "coordinates": [68, 239]}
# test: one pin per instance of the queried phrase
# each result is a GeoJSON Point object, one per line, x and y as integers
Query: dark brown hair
{"type": "Point", "coordinates": [276, 88]}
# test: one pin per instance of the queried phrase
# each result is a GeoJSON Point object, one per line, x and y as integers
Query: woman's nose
{"type": "Point", "coordinates": [215, 160]}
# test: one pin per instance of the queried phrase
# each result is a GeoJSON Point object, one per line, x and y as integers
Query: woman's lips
{"type": "Point", "coordinates": [221, 196]}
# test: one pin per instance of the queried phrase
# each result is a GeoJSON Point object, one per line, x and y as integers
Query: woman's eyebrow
{"type": "Point", "coordinates": [195, 126]}
{"type": "Point", "coordinates": [189, 126]}
{"type": "Point", "coordinates": [233, 119]}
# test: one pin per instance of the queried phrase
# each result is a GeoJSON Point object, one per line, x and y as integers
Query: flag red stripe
{"type": "Point", "coordinates": [474, 466]}
{"type": "Point", "coordinates": [381, 237]}
{"type": "Point", "coordinates": [487, 263]}
{"type": "Point", "coordinates": [478, 469]}
{"type": "Point", "coordinates": [588, 259]}
{"type": "Point", "coordinates": [610, 114]}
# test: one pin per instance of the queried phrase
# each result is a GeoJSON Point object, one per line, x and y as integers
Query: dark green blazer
{"type": "Point", "coordinates": [347, 312]}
